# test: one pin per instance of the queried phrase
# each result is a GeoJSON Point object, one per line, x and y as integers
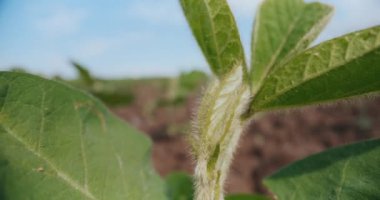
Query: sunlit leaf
{"type": "Point", "coordinates": [246, 197]}
{"type": "Point", "coordinates": [60, 143]}
{"type": "Point", "coordinates": [346, 173]}
{"type": "Point", "coordinates": [282, 29]}
{"type": "Point", "coordinates": [214, 28]}
{"type": "Point", "coordinates": [343, 67]}
{"type": "Point", "coordinates": [179, 186]}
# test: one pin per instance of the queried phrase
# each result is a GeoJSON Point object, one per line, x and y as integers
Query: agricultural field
{"type": "Point", "coordinates": [163, 108]}
{"type": "Point", "coordinates": [277, 110]}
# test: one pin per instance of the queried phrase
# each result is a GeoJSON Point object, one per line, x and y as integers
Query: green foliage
{"type": "Point", "coordinates": [282, 29]}
{"type": "Point", "coordinates": [284, 74]}
{"type": "Point", "coordinates": [190, 81]}
{"type": "Point", "coordinates": [179, 186]}
{"type": "Point", "coordinates": [84, 74]}
{"type": "Point", "coordinates": [349, 172]}
{"type": "Point", "coordinates": [214, 28]}
{"type": "Point", "coordinates": [186, 84]}
{"type": "Point", "coordinates": [107, 93]}
{"type": "Point", "coordinates": [18, 69]}
{"type": "Point", "coordinates": [112, 98]}
{"type": "Point", "coordinates": [343, 67]}
{"type": "Point", "coordinates": [59, 143]}
{"type": "Point", "coordinates": [178, 89]}
{"type": "Point", "coordinates": [246, 197]}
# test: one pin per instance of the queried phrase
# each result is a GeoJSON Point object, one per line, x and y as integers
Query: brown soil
{"type": "Point", "coordinates": [269, 143]}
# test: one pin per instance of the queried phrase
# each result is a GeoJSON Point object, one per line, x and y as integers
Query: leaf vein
{"type": "Point", "coordinates": [343, 179]}
{"type": "Point", "coordinates": [83, 152]}
{"type": "Point", "coordinates": [268, 68]}
{"type": "Point", "coordinates": [214, 32]}
{"type": "Point", "coordinates": [42, 123]}
{"type": "Point", "coordinates": [121, 167]}
{"type": "Point", "coordinates": [60, 174]}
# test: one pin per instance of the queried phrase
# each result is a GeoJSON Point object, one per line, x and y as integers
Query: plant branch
{"type": "Point", "coordinates": [217, 131]}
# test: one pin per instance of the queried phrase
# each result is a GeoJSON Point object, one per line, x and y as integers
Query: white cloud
{"type": "Point", "coordinates": [156, 11]}
{"type": "Point", "coordinates": [95, 47]}
{"type": "Point", "coordinates": [351, 15]}
{"type": "Point", "coordinates": [245, 8]}
{"type": "Point", "coordinates": [57, 64]}
{"type": "Point", "coordinates": [144, 70]}
{"type": "Point", "coordinates": [60, 21]}
{"type": "Point", "coordinates": [360, 14]}
{"type": "Point", "coordinates": [169, 11]}
{"type": "Point", "coordinates": [48, 64]}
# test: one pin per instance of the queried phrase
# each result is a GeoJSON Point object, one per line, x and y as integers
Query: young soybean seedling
{"type": "Point", "coordinates": [57, 142]}
{"type": "Point", "coordinates": [284, 73]}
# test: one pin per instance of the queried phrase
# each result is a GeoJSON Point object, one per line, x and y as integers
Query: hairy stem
{"type": "Point", "coordinates": [217, 131]}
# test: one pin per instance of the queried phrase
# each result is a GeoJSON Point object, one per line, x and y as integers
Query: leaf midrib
{"type": "Point", "coordinates": [343, 179]}
{"type": "Point", "coordinates": [213, 31]}
{"type": "Point", "coordinates": [268, 68]}
{"type": "Point", "coordinates": [293, 52]}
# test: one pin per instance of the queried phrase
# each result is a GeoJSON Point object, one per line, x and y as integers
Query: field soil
{"type": "Point", "coordinates": [269, 143]}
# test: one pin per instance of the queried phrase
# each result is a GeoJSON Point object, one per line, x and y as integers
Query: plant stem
{"type": "Point", "coordinates": [217, 132]}
{"type": "Point", "coordinates": [210, 178]}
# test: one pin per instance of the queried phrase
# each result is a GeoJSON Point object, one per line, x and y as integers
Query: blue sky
{"type": "Point", "coordinates": [118, 38]}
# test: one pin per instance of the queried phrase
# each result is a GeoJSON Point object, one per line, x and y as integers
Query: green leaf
{"type": "Point", "coordinates": [83, 74]}
{"type": "Point", "coordinates": [59, 143]}
{"type": "Point", "coordinates": [341, 68]}
{"type": "Point", "coordinates": [282, 29]}
{"type": "Point", "coordinates": [246, 197]}
{"type": "Point", "coordinates": [345, 173]}
{"type": "Point", "coordinates": [214, 28]}
{"type": "Point", "coordinates": [179, 186]}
